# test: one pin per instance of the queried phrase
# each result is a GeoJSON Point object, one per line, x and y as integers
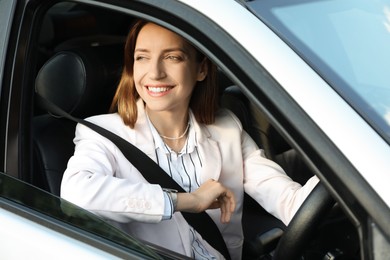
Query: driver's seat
{"type": "Point", "coordinates": [82, 82]}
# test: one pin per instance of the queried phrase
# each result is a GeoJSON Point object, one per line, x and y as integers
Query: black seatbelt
{"type": "Point", "coordinates": [153, 173]}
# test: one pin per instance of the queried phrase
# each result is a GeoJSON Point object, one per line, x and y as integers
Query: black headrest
{"type": "Point", "coordinates": [82, 80]}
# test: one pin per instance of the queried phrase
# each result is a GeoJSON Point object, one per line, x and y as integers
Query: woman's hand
{"type": "Point", "coordinates": [210, 195]}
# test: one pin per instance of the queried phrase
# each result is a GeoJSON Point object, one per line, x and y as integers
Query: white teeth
{"type": "Point", "coordinates": [157, 89]}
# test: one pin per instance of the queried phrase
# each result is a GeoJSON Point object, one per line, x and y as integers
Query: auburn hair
{"type": "Point", "coordinates": [204, 99]}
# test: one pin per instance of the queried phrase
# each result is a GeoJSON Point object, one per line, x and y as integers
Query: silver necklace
{"type": "Point", "coordinates": [179, 137]}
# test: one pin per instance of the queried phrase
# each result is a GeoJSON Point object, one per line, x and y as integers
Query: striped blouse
{"type": "Point", "coordinates": [185, 168]}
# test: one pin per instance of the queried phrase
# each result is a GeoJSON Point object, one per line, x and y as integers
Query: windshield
{"type": "Point", "coordinates": [346, 41]}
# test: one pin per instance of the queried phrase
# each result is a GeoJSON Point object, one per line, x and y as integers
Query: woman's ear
{"type": "Point", "coordinates": [203, 68]}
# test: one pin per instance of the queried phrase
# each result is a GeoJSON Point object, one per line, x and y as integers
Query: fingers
{"type": "Point", "coordinates": [212, 195]}
{"type": "Point", "coordinates": [227, 204]}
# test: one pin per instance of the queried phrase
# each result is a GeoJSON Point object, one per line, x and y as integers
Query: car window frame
{"type": "Point", "coordinates": [271, 93]}
{"type": "Point", "coordinates": [7, 14]}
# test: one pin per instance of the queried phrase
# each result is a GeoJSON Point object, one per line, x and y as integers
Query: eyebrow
{"type": "Point", "coordinates": [183, 50]}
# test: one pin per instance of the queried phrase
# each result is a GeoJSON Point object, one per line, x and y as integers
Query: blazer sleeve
{"type": "Point", "coordinates": [269, 185]}
{"type": "Point", "coordinates": [90, 181]}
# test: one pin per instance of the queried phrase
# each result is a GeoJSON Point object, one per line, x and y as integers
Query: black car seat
{"type": "Point", "coordinates": [81, 81]}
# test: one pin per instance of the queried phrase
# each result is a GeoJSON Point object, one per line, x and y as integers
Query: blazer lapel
{"type": "Point", "coordinates": [143, 138]}
{"type": "Point", "coordinates": [209, 153]}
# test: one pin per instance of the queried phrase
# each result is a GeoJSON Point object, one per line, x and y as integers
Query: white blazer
{"type": "Point", "coordinates": [100, 179]}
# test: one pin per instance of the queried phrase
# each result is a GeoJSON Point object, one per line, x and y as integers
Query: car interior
{"type": "Point", "coordinates": [78, 67]}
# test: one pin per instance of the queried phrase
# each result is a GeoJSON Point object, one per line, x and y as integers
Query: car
{"type": "Point", "coordinates": [308, 80]}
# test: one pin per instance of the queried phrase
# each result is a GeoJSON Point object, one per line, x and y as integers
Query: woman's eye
{"type": "Point", "coordinates": [174, 58]}
{"type": "Point", "coordinates": [139, 58]}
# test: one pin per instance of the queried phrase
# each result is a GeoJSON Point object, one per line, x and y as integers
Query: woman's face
{"type": "Point", "coordinates": [165, 69]}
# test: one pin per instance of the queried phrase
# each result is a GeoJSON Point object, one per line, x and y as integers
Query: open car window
{"type": "Point", "coordinates": [58, 215]}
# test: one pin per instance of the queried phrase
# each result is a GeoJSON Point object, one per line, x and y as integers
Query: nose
{"type": "Point", "coordinates": [157, 69]}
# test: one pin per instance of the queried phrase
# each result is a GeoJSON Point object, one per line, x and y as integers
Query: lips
{"type": "Point", "coordinates": [158, 89]}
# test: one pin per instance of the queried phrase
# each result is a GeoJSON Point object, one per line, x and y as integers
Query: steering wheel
{"type": "Point", "coordinates": [304, 223]}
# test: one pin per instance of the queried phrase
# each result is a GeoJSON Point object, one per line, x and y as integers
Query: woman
{"type": "Point", "coordinates": [166, 105]}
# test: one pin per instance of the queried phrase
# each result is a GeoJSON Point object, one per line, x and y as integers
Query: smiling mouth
{"type": "Point", "coordinates": [158, 89]}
